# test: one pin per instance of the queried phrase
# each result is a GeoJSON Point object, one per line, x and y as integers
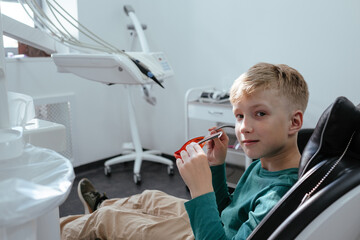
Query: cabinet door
{"type": "Point", "coordinates": [211, 112]}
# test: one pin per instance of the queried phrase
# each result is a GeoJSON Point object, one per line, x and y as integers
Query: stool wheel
{"type": "Point", "coordinates": [137, 178]}
{"type": "Point", "coordinates": [170, 170]}
{"type": "Point", "coordinates": [107, 171]}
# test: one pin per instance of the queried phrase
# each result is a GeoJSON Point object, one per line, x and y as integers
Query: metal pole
{"type": "Point", "coordinates": [138, 28]}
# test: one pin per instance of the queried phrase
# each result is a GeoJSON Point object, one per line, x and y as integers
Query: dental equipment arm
{"type": "Point", "coordinates": [31, 36]}
{"type": "Point", "coordinates": [141, 68]}
{"type": "Point", "coordinates": [113, 68]}
{"type": "Point", "coordinates": [138, 28]}
{"type": "Point", "coordinates": [146, 71]}
{"type": "Point", "coordinates": [116, 68]}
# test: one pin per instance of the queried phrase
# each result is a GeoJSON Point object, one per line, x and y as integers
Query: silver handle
{"type": "Point", "coordinates": [215, 135]}
{"type": "Point", "coordinates": [224, 126]}
{"type": "Point", "coordinates": [215, 112]}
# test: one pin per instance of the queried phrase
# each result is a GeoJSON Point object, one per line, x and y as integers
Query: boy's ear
{"type": "Point", "coordinates": [296, 122]}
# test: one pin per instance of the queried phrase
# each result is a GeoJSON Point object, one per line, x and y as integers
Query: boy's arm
{"type": "Point", "coordinates": [206, 223]}
{"type": "Point", "coordinates": [223, 197]}
{"type": "Point", "coordinates": [216, 154]}
{"type": "Point", "coordinates": [204, 217]}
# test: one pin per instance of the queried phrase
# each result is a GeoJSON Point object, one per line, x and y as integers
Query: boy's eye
{"type": "Point", "coordinates": [239, 116]}
{"type": "Point", "coordinates": [260, 114]}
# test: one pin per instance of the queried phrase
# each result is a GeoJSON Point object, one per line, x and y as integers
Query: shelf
{"type": "Point", "coordinates": [45, 134]}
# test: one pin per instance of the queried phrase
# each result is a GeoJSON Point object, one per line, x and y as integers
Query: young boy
{"type": "Point", "coordinates": [268, 103]}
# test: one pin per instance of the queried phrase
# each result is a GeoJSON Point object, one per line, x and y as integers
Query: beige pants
{"type": "Point", "coordinates": [151, 215]}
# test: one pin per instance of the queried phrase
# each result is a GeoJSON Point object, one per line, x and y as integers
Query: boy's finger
{"type": "Point", "coordinates": [184, 155]}
{"type": "Point", "coordinates": [212, 128]}
{"type": "Point", "coordinates": [210, 144]}
{"type": "Point", "coordinates": [179, 162]}
{"type": "Point", "coordinates": [197, 148]}
{"type": "Point", "coordinates": [190, 148]}
{"type": "Point", "coordinates": [216, 141]}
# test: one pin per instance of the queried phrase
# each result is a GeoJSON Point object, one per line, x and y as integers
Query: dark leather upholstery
{"type": "Point", "coordinates": [327, 143]}
{"type": "Point", "coordinates": [303, 137]}
{"type": "Point", "coordinates": [331, 134]}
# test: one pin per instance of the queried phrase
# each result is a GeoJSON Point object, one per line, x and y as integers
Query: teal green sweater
{"type": "Point", "coordinates": [219, 215]}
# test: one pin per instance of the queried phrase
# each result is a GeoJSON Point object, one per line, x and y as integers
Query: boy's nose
{"type": "Point", "coordinates": [245, 126]}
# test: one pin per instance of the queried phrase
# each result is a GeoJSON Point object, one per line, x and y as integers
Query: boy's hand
{"type": "Point", "coordinates": [217, 148]}
{"type": "Point", "coordinates": [195, 171]}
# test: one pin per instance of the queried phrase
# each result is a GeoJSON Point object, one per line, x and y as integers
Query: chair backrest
{"type": "Point", "coordinates": [323, 150]}
{"type": "Point", "coordinates": [303, 138]}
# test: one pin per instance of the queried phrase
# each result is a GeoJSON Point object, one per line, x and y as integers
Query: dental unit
{"type": "Point", "coordinates": [37, 190]}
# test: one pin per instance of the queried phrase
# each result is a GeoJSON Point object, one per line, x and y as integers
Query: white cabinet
{"type": "Point", "coordinates": [213, 113]}
{"type": "Point", "coordinates": [221, 112]}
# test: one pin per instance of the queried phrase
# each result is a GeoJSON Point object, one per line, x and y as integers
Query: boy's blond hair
{"type": "Point", "coordinates": [288, 81]}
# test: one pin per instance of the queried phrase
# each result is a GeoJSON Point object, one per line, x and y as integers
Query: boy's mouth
{"type": "Point", "coordinates": [249, 142]}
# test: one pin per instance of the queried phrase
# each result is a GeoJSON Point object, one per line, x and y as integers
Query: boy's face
{"type": "Point", "coordinates": [262, 123]}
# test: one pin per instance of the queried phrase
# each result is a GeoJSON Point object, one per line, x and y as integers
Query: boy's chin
{"type": "Point", "coordinates": [252, 156]}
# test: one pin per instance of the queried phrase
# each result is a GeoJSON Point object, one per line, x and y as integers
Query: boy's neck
{"type": "Point", "coordinates": [289, 158]}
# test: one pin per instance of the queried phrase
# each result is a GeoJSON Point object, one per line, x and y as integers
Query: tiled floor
{"type": "Point", "coordinates": [121, 184]}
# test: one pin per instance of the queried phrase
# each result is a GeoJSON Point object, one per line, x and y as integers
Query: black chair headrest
{"type": "Point", "coordinates": [332, 133]}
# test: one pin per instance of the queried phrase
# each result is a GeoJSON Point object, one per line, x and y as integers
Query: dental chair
{"type": "Point", "coordinates": [324, 203]}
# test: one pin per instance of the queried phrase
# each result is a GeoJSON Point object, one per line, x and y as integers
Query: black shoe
{"type": "Point", "coordinates": [89, 197]}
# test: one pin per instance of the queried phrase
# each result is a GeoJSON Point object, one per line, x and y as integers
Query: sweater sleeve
{"type": "Point", "coordinates": [261, 206]}
{"type": "Point", "coordinates": [206, 223]}
{"type": "Point", "coordinates": [204, 217]}
{"type": "Point", "coordinates": [204, 211]}
{"type": "Point", "coordinates": [223, 197]}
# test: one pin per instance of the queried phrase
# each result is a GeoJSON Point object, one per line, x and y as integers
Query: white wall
{"type": "Point", "coordinates": [211, 43]}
